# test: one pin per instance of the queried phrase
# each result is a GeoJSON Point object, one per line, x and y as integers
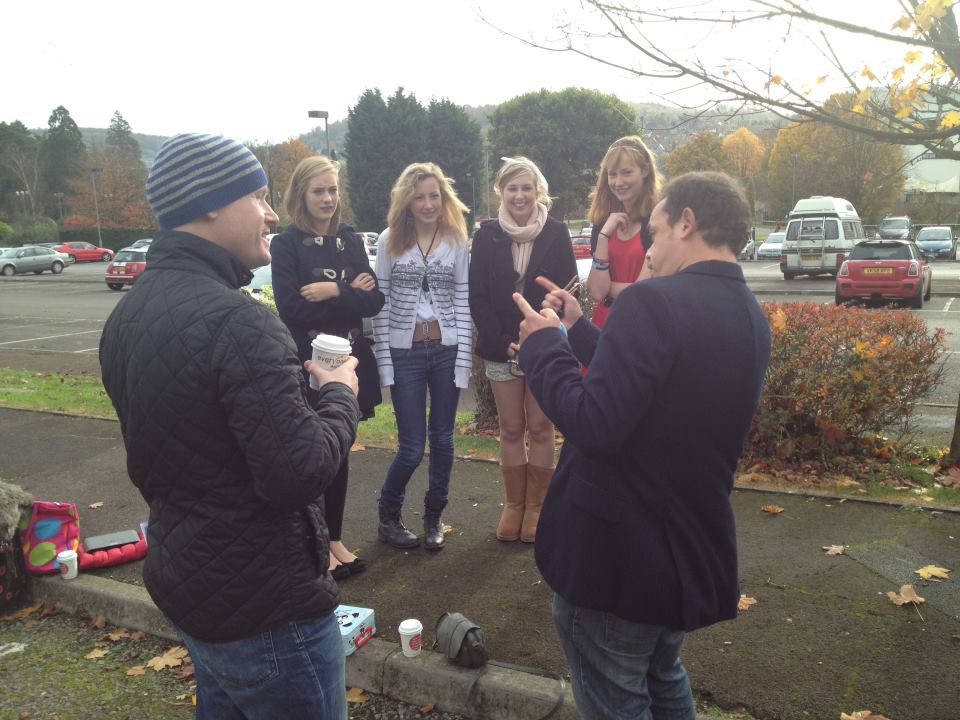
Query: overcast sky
{"type": "Point", "coordinates": [252, 70]}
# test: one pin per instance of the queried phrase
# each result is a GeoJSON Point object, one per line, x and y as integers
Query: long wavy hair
{"type": "Point", "coordinates": [604, 202]}
{"type": "Point", "coordinates": [453, 226]}
{"type": "Point", "coordinates": [295, 198]}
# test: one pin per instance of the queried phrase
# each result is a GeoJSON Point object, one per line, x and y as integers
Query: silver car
{"type": "Point", "coordinates": [772, 246]}
{"type": "Point", "coordinates": [31, 258]}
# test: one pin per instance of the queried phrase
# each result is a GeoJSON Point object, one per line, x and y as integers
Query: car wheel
{"type": "Point", "coordinates": [73, 257]}
{"type": "Point", "coordinates": [7, 270]}
{"type": "Point", "coordinates": [115, 286]}
{"type": "Point", "coordinates": [929, 290]}
{"type": "Point", "coordinates": [788, 276]}
{"type": "Point", "coordinates": [56, 268]}
{"type": "Point", "coordinates": [106, 257]}
{"type": "Point", "coordinates": [38, 272]}
{"type": "Point", "coordinates": [837, 300]}
{"type": "Point", "coordinates": [916, 302]}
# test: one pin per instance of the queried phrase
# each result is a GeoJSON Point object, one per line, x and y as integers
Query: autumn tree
{"type": "Point", "coordinates": [915, 100]}
{"type": "Point", "coordinates": [822, 159]}
{"type": "Point", "coordinates": [744, 152]}
{"type": "Point", "coordinates": [566, 133]}
{"type": "Point", "coordinates": [704, 151]}
{"type": "Point", "coordinates": [279, 162]}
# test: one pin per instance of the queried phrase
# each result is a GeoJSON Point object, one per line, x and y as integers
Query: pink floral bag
{"type": "Point", "coordinates": [49, 528]}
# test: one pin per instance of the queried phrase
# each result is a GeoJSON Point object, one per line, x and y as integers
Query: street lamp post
{"type": "Point", "coordinates": [22, 195]}
{"type": "Point", "coordinates": [96, 205]}
{"type": "Point", "coordinates": [793, 193]}
{"type": "Point", "coordinates": [59, 197]}
{"type": "Point", "coordinates": [473, 195]}
{"type": "Point", "coordinates": [326, 131]}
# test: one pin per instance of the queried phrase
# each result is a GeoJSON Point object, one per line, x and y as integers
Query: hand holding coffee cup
{"type": "Point", "coordinates": [332, 362]}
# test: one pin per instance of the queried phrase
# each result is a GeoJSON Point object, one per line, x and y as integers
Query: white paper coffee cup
{"type": "Point", "coordinates": [411, 637]}
{"type": "Point", "coordinates": [68, 564]}
{"type": "Point", "coordinates": [329, 351]}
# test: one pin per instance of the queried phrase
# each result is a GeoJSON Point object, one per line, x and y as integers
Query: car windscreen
{"type": "Point", "coordinates": [129, 256]}
{"type": "Point", "coordinates": [10, 252]}
{"type": "Point", "coordinates": [880, 252]}
{"type": "Point", "coordinates": [900, 224]}
{"type": "Point", "coordinates": [933, 235]}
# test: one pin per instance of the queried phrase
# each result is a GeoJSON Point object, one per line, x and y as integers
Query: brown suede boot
{"type": "Point", "coordinates": [538, 480]}
{"type": "Point", "coordinates": [514, 489]}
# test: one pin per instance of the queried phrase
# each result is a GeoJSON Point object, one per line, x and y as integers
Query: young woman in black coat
{"type": "Point", "coordinates": [507, 256]}
{"type": "Point", "coordinates": [323, 283]}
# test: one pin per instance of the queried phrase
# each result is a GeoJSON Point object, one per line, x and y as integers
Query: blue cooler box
{"type": "Point", "coordinates": [357, 625]}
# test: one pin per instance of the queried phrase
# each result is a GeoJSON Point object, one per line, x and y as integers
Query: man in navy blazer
{"type": "Point", "coordinates": [637, 536]}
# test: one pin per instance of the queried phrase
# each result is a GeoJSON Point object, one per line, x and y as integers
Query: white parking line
{"type": "Point", "coordinates": [949, 303]}
{"type": "Point", "coordinates": [49, 337]}
{"type": "Point", "coordinates": [76, 352]}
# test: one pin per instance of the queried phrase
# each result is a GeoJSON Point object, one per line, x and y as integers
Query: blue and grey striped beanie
{"type": "Point", "coordinates": [195, 174]}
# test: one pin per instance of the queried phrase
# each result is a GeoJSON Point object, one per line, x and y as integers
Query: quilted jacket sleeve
{"type": "Point", "coordinates": [293, 452]}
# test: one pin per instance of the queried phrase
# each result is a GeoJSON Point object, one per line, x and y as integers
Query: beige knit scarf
{"type": "Point", "coordinates": [522, 235]}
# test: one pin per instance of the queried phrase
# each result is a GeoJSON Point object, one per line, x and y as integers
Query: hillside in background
{"type": "Point", "coordinates": [665, 127]}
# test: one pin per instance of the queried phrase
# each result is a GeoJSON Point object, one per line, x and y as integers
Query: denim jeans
{"type": "Point", "coordinates": [294, 671]}
{"type": "Point", "coordinates": [426, 365]}
{"type": "Point", "coordinates": [623, 669]}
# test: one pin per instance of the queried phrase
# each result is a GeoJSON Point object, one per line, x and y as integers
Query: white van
{"type": "Point", "coordinates": [821, 232]}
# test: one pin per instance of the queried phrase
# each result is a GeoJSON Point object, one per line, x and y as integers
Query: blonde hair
{"type": "Point", "coordinates": [400, 219]}
{"type": "Point", "coordinates": [513, 167]}
{"type": "Point", "coordinates": [604, 202]}
{"type": "Point", "coordinates": [295, 198]}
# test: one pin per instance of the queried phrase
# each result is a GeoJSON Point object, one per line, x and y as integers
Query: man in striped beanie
{"type": "Point", "coordinates": [224, 447]}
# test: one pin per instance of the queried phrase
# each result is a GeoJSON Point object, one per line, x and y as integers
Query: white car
{"type": "Point", "coordinates": [772, 246]}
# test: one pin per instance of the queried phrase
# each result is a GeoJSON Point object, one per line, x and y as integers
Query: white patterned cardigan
{"type": "Point", "coordinates": [400, 280]}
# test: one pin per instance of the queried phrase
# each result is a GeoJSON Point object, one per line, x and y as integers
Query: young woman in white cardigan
{"type": "Point", "coordinates": [423, 336]}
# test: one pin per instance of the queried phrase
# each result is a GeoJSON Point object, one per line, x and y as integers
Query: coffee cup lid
{"type": "Point", "coordinates": [411, 626]}
{"type": "Point", "coordinates": [66, 555]}
{"type": "Point", "coordinates": [331, 344]}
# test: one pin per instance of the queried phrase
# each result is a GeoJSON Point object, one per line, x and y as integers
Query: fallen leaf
{"type": "Point", "coordinates": [427, 709]}
{"type": "Point", "coordinates": [185, 673]}
{"type": "Point", "coordinates": [136, 670]}
{"type": "Point", "coordinates": [99, 622]}
{"type": "Point", "coordinates": [906, 595]}
{"type": "Point", "coordinates": [745, 603]}
{"type": "Point", "coordinates": [116, 635]}
{"type": "Point", "coordinates": [29, 624]}
{"type": "Point", "coordinates": [138, 635]}
{"type": "Point", "coordinates": [772, 509]}
{"type": "Point", "coordinates": [21, 613]}
{"type": "Point", "coordinates": [833, 549]}
{"type": "Point", "coordinates": [861, 715]}
{"type": "Point", "coordinates": [355, 695]}
{"type": "Point", "coordinates": [96, 505]}
{"type": "Point", "coordinates": [96, 653]}
{"type": "Point", "coordinates": [932, 571]}
{"type": "Point", "coordinates": [171, 658]}
{"type": "Point", "coordinates": [50, 610]}
{"type": "Point", "coordinates": [447, 529]}
{"type": "Point", "coordinates": [535, 583]}
{"type": "Point", "coordinates": [357, 447]}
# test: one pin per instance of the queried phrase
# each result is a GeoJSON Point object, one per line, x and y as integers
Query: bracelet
{"type": "Point", "coordinates": [603, 234]}
{"type": "Point", "coordinates": [600, 264]}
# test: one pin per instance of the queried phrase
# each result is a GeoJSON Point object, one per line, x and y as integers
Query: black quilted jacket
{"type": "Point", "coordinates": [222, 445]}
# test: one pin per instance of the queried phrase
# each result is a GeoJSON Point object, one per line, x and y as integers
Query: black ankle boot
{"type": "Point", "coordinates": [433, 526]}
{"type": "Point", "coordinates": [391, 529]}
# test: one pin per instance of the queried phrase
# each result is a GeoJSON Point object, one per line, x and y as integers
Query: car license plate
{"type": "Point", "coordinates": [119, 268]}
{"type": "Point", "coordinates": [878, 271]}
{"type": "Point", "coordinates": [811, 259]}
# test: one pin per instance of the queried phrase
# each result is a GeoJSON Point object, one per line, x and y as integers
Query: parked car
{"type": "Point", "coordinates": [772, 247]}
{"type": "Point", "coordinates": [894, 228]}
{"type": "Point", "coordinates": [370, 241]}
{"type": "Point", "coordinates": [144, 243]}
{"type": "Point", "coordinates": [126, 267]}
{"type": "Point", "coordinates": [581, 245]}
{"type": "Point", "coordinates": [937, 241]}
{"type": "Point", "coordinates": [85, 252]}
{"type": "Point", "coordinates": [749, 251]}
{"type": "Point", "coordinates": [885, 270]}
{"type": "Point", "coordinates": [31, 258]}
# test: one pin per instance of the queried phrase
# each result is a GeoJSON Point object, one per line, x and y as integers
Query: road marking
{"type": "Point", "coordinates": [76, 352]}
{"type": "Point", "coordinates": [49, 337]}
{"type": "Point", "coordinates": [949, 303]}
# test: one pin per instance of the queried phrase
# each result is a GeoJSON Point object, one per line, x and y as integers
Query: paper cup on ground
{"type": "Point", "coordinates": [329, 351]}
{"type": "Point", "coordinates": [68, 564]}
{"type": "Point", "coordinates": [411, 637]}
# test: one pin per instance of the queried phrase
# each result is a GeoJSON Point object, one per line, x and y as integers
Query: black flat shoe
{"type": "Point", "coordinates": [355, 567]}
{"type": "Point", "coordinates": [341, 572]}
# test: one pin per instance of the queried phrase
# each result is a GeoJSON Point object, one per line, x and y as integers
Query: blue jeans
{"type": "Point", "coordinates": [295, 671]}
{"type": "Point", "coordinates": [623, 669]}
{"type": "Point", "coordinates": [430, 365]}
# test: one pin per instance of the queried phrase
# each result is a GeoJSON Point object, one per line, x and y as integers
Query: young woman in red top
{"type": "Point", "coordinates": [628, 187]}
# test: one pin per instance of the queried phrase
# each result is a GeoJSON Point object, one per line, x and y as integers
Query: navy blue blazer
{"type": "Point", "coordinates": [637, 520]}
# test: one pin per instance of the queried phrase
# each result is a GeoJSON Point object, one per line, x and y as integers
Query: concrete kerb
{"type": "Point", "coordinates": [379, 666]}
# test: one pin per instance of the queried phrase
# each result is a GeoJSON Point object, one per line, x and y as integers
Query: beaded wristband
{"type": "Point", "coordinates": [597, 265]}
